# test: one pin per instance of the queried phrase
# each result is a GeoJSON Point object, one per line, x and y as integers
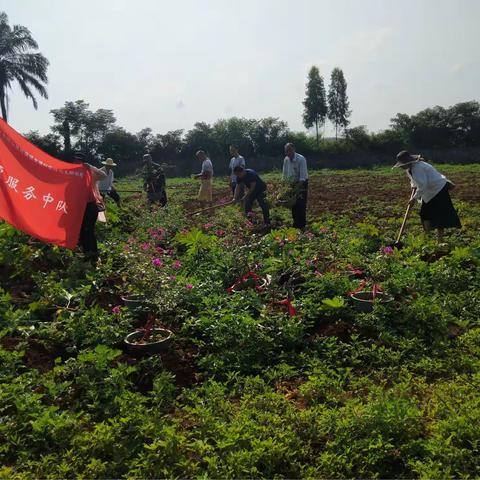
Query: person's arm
{"type": "Point", "coordinates": [303, 177]}
{"type": "Point", "coordinates": [420, 182]}
{"type": "Point", "coordinates": [237, 193]}
{"type": "Point", "coordinates": [97, 174]}
{"type": "Point", "coordinates": [242, 162]}
{"type": "Point", "coordinates": [250, 190]}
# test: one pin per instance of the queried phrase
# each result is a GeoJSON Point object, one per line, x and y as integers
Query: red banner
{"type": "Point", "coordinates": [40, 195]}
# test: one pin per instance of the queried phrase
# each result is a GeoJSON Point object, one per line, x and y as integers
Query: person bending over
{"type": "Point", "coordinates": [432, 191]}
{"type": "Point", "coordinates": [255, 191]}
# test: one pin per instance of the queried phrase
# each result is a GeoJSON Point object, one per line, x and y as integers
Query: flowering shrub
{"type": "Point", "coordinates": [283, 378]}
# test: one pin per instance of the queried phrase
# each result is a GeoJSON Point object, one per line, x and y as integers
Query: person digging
{"type": "Point", "coordinates": [106, 186]}
{"type": "Point", "coordinates": [255, 191]}
{"type": "Point", "coordinates": [432, 190]}
{"type": "Point", "coordinates": [154, 182]}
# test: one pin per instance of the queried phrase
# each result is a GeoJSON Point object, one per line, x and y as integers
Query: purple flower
{"type": "Point", "coordinates": [172, 278]}
{"type": "Point", "coordinates": [116, 310]}
{"type": "Point", "coordinates": [188, 286]}
{"type": "Point", "coordinates": [157, 262]}
{"type": "Point", "coordinates": [177, 265]}
{"type": "Point", "coordinates": [145, 246]}
{"type": "Point", "coordinates": [387, 250]}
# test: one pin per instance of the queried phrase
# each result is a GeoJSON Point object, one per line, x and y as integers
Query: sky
{"type": "Point", "coordinates": [166, 64]}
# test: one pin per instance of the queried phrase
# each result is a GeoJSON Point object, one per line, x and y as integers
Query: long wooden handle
{"type": "Point", "coordinates": [407, 213]}
{"type": "Point", "coordinates": [211, 208]}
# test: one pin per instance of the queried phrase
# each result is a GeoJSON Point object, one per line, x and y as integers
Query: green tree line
{"type": "Point", "coordinates": [75, 126]}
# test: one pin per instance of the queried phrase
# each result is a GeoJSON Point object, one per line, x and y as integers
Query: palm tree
{"type": "Point", "coordinates": [18, 63]}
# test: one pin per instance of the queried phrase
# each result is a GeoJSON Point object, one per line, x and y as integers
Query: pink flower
{"type": "Point", "coordinates": [145, 246]}
{"type": "Point", "coordinates": [310, 235]}
{"type": "Point", "coordinates": [116, 310]}
{"type": "Point", "coordinates": [387, 250]}
{"type": "Point", "coordinates": [188, 286]}
{"type": "Point", "coordinates": [157, 262]}
{"type": "Point", "coordinates": [318, 274]}
{"type": "Point", "coordinates": [208, 225]}
{"type": "Point", "coordinates": [177, 265]}
{"type": "Point", "coordinates": [172, 278]}
{"type": "Point", "coordinates": [220, 233]}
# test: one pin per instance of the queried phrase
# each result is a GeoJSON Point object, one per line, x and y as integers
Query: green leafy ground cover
{"type": "Point", "coordinates": [245, 390]}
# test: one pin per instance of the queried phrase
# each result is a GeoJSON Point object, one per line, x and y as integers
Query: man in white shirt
{"type": "Point", "coordinates": [236, 161]}
{"type": "Point", "coordinates": [105, 186]}
{"type": "Point", "coordinates": [295, 172]}
{"type": "Point", "coordinates": [206, 178]}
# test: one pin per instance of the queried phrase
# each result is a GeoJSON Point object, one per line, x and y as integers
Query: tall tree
{"type": "Point", "coordinates": [69, 120]}
{"type": "Point", "coordinates": [18, 63]}
{"type": "Point", "coordinates": [315, 102]}
{"type": "Point", "coordinates": [338, 105]}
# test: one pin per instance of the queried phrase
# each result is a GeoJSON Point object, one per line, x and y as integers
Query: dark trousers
{"type": "Point", "coordinates": [157, 197]}
{"type": "Point", "coordinates": [262, 201]}
{"type": "Point", "coordinates": [113, 194]}
{"type": "Point", "coordinates": [88, 240]}
{"type": "Point", "coordinates": [299, 209]}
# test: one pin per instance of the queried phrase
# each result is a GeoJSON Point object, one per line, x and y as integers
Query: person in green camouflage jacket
{"type": "Point", "coordinates": [154, 182]}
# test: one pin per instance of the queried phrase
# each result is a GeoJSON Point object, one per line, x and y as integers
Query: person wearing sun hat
{"type": "Point", "coordinates": [432, 190]}
{"type": "Point", "coordinates": [105, 186]}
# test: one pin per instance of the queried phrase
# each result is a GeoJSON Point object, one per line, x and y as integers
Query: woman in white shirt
{"type": "Point", "coordinates": [432, 190]}
{"type": "Point", "coordinates": [206, 178]}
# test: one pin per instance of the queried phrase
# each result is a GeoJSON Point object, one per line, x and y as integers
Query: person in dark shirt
{"type": "Point", "coordinates": [154, 181]}
{"type": "Point", "coordinates": [256, 189]}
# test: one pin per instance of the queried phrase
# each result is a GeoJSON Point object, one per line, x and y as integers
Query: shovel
{"type": "Point", "coordinates": [398, 244]}
{"type": "Point", "coordinates": [211, 208]}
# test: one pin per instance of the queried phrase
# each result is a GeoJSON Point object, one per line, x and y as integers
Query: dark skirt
{"type": "Point", "coordinates": [439, 211]}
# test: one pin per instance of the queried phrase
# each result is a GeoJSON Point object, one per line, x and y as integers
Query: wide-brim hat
{"type": "Point", "coordinates": [109, 162]}
{"type": "Point", "coordinates": [406, 158]}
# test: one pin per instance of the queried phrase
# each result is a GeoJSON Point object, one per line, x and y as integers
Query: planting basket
{"type": "Point", "coordinates": [363, 301]}
{"type": "Point", "coordinates": [133, 301]}
{"type": "Point", "coordinates": [148, 348]}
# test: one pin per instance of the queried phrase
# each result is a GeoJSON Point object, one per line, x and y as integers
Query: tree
{"type": "Point", "coordinates": [269, 136]}
{"type": "Point", "coordinates": [18, 63]}
{"type": "Point", "coordinates": [315, 102]}
{"type": "Point", "coordinates": [338, 105]}
{"type": "Point", "coordinates": [75, 121]}
{"type": "Point", "coordinates": [68, 121]}
{"type": "Point", "coordinates": [49, 143]}
{"type": "Point", "coordinates": [358, 136]}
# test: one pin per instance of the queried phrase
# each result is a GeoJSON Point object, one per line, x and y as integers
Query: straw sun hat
{"type": "Point", "coordinates": [406, 158]}
{"type": "Point", "coordinates": [109, 163]}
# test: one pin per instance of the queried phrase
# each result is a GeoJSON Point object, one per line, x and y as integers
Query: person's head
{"type": "Point", "coordinates": [290, 150]}
{"type": "Point", "coordinates": [405, 160]}
{"type": "Point", "coordinates": [147, 159]}
{"type": "Point", "coordinates": [109, 164]}
{"type": "Point", "coordinates": [201, 155]}
{"type": "Point", "coordinates": [234, 150]}
{"type": "Point", "coordinates": [78, 157]}
{"type": "Point", "coordinates": [239, 171]}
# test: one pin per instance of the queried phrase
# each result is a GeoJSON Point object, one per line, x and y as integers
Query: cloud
{"type": "Point", "coordinates": [458, 67]}
{"type": "Point", "coordinates": [368, 43]}
{"type": "Point", "coordinates": [180, 105]}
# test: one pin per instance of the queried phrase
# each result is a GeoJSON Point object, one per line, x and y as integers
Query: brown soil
{"type": "Point", "coordinates": [36, 355]}
{"type": "Point", "coordinates": [354, 194]}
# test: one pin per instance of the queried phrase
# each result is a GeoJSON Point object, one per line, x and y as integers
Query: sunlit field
{"type": "Point", "coordinates": [272, 369]}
